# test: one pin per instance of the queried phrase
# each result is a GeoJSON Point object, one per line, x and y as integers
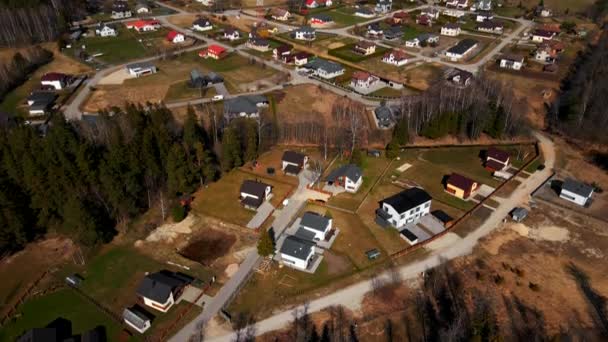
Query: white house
{"type": "Point", "coordinates": [293, 162]}
{"type": "Point", "coordinates": [136, 318]}
{"type": "Point", "coordinates": [450, 12]}
{"type": "Point", "coordinates": [461, 4]}
{"type": "Point", "coordinates": [297, 253]}
{"type": "Point", "coordinates": [497, 159]}
{"type": "Point", "coordinates": [160, 290]}
{"type": "Point", "coordinates": [374, 30]}
{"type": "Point", "coordinates": [512, 62]}
{"type": "Point", "coordinates": [232, 34]}
{"type": "Point", "coordinates": [141, 69]}
{"type": "Point", "coordinates": [304, 33]}
{"type": "Point", "coordinates": [120, 10]}
{"type": "Point", "coordinates": [280, 14]}
{"type": "Point", "coordinates": [106, 31]}
{"type": "Point", "coordinates": [450, 29]}
{"type": "Point", "coordinates": [365, 48]}
{"type": "Point", "coordinates": [202, 24]}
{"type": "Point", "coordinates": [142, 8]}
{"type": "Point", "coordinates": [483, 16]}
{"type": "Point", "coordinates": [318, 3]}
{"type": "Point", "coordinates": [317, 224]}
{"type": "Point", "coordinates": [405, 207]}
{"type": "Point", "coordinates": [54, 79]}
{"type": "Point", "coordinates": [413, 43]}
{"type": "Point", "coordinates": [430, 12]}
{"type": "Point", "coordinates": [324, 68]}
{"type": "Point", "coordinates": [254, 193]}
{"type": "Point", "coordinates": [176, 37]}
{"type": "Point", "coordinates": [490, 26]}
{"type": "Point", "coordinates": [540, 36]}
{"type": "Point", "coordinates": [462, 49]}
{"type": "Point", "coordinates": [362, 79]}
{"type": "Point", "coordinates": [396, 57]}
{"type": "Point", "coordinates": [383, 6]}
{"type": "Point", "coordinates": [576, 192]}
{"type": "Point", "coordinates": [482, 5]}
{"type": "Point", "coordinates": [349, 177]}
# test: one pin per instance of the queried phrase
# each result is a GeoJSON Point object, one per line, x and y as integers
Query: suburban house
{"type": "Point", "coordinates": [202, 24]}
{"type": "Point", "coordinates": [320, 19]}
{"type": "Point", "coordinates": [460, 186]}
{"type": "Point", "coordinates": [141, 69]}
{"type": "Point", "coordinates": [142, 8]}
{"type": "Point", "coordinates": [428, 39]}
{"type": "Point", "coordinates": [412, 43]}
{"type": "Point", "coordinates": [293, 162]}
{"type": "Point", "coordinates": [324, 68]}
{"type": "Point", "coordinates": [349, 177]}
{"type": "Point", "coordinates": [160, 290]}
{"type": "Point", "coordinates": [259, 44]}
{"type": "Point", "coordinates": [297, 253]}
{"type": "Point", "coordinates": [424, 20]}
{"type": "Point", "coordinates": [482, 5]}
{"type": "Point", "coordinates": [280, 51]}
{"type": "Point", "coordinates": [106, 31]}
{"type": "Point", "coordinates": [384, 116]}
{"type": "Point", "coordinates": [206, 2]}
{"type": "Point", "coordinates": [460, 50]}
{"type": "Point", "coordinates": [55, 79]}
{"type": "Point", "coordinates": [400, 17]}
{"type": "Point", "coordinates": [318, 3]}
{"type": "Point", "coordinates": [396, 57]}
{"type": "Point", "coordinates": [40, 102]}
{"type": "Point", "coordinates": [200, 80]}
{"type": "Point", "coordinates": [459, 77]}
{"type": "Point", "coordinates": [450, 29]}
{"type": "Point", "coordinates": [363, 79]}
{"type": "Point", "coordinates": [317, 224]}
{"type": "Point", "coordinates": [454, 13]}
{"type": "Point", "coordinates": [383, 6]}
{"type": "Point", "coordinates": [301, 58]}
{"type": "Point", "coordinates": [175, 37]}
{"type": "Point", "coordinates": [213, 51]}
{"type": "Point", "coordinates": [461, 4]}
{"type": "Point", "coordinates": [143, 25]}
{"type": "Point", "coordinates": [120, 10]}
{"type": "Point", "coordinates": [546, 52]}
{"type": "Point", "coordinates": [245, 106]}
{"type": "Point", "coordinates": [490, 26]}
{"type": "Point", "coordinates": [512, 62]}
{"type": "Point", "coordinates": [364, 48]}
{"type": "Point", "coordinates": [497, 159]}
{"type": "Point", "coordinates": [540, 36]}
{"type": "Point", "coordinates": [137, 318]}
{"type": "Point", "coordinates": [232, 34]}
{"type": "Point", "coordinates": [280, 14]}
{"type": "Point", "coordinates": [375, 30]}
{"type": "Point", "coordinates": [482, 16]}
{"type": "Point", "coordinates": [364, 12]}
{"type": "Point", "coordinates": [430, 12]}
{"type": "Point", "coordinates": [543, 12]}
{"type": "Point", "coordinates": [576, 192]}
{"type": "Point", "coordinates": [405, 207]}
{"type": "Point", "coordinates": [254, 193]}
{"type": "Point", "coordinates": [304, 33]}
{"type": "Point", "coordinates": [519, 214]}
{"type": "Point", "coordinates": [393, 33]}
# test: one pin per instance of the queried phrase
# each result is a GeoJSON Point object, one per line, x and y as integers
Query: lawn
{"type": "Point", "coordinates": [181, 90]}
{"type": "Point", "coordinates": [410, 32]}
{"type": "Point", "coordinates": [162, 322]}
{"type": "Point", "coordinates": [389, 92]}
{"type": "Point", "coordinates": [346, 53]}
{"type": "Point", "coordinates": [344, 16]}
{"type": "Point", "coordinates": [221, 199]}
{"type": "Point", "coordinates": [509, 11]}
{"type": "Point", "coordinates": [320, 36]}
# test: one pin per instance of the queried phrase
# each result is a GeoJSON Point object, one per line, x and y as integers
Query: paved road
{"type": "Point", "coordinates": [351, 296]}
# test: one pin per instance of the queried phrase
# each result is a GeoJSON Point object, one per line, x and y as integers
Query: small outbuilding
{"type": "Point", "coordinates": [519, 214]}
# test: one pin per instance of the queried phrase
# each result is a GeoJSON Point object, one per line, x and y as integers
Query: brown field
{"type": "Point", "coordinates": [209, 246]}
{"type": "Point", "coordinates": [417, 77]}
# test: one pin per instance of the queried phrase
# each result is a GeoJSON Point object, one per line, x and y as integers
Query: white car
{"type": "Point", "coordinates": [217, 98]}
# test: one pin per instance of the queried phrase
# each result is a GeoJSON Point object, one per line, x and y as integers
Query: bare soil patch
{"type": "Point", "coordinates": [336, 264]}
{"type": "Point", "coordinates": [209, 246]}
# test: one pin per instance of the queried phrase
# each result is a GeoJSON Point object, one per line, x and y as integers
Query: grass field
{"type": "Point", "coordinates": [344, 16]}
{"type": "Point", "coordinates": [320, 36]}
{"type": "Point", "coordinates": [181, 90]}
{"type": "Point", "coordinates": [346, 53]}
{"type": "Point", "coordinates": [389, 92]}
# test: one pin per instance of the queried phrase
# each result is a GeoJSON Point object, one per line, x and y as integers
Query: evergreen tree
{"type": "Point", "coordinates": [265, 244]}
{"type": "Point", "coordinates": [251, 151]}
{"type": "Point", "coordinates": [179, 175]}
{"type": "Point", "coordinates": [400, 133]}
{"type": "Point", "coordinates": [192, 131]}
{"type": "Point", "coordinates": [231, 150]}
{"type": "Point", "coordinates": [392, 149]}
{"type": "Point", "coordinates": [357, 157]}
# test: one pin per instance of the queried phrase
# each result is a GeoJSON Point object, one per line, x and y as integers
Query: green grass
{"type": "Point", "coordinates": [182, 91]}
{"type": "Point", "coordinates": [346, 53]}
{"type": "Point", "coordinates": [64, 303]}
{"type": "Point", "coordinates": [508, 11]}
{"type": "Point", "coordinates": [344, 16]}
{"type": "Point", "coordinates": [230, 63]}
{"type": "Point", "coordinates": [410, 32]}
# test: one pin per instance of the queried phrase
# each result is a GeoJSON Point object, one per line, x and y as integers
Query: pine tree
{"type": "Point", "coordinates": [392, 149]}
{"type": "Point", "coordinates": [192, 130]}
{"type": "Point", "coordinates": [400, 133]}
{"type": "Point", "coordinates": [251, 151]}
{"type": "Point", "coordinates": [357, 157]}
{"type": "Point", "coordinates": [231, 150]}
{"type": "Point", "coordinates": [265, 244]}
{"type": "Point", "coordinates": [179, 176]}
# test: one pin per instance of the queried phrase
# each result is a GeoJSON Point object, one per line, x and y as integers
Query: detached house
{"type": "Point", "coordinates": [293, 162]}
{"type": "Point", "coordinates": [482, 16]}
{"type": "Point", "coordinates": [576, 192]}
{"type": "Point", "coordinates": [106, 31]}
{"type": "Point", "coordinates": [459, 77]}
{"type": "Point", "coordinates": [175, 37]}
{"type": "Point", "coordinates": [258, 44]}
{"type": "Point", "coordinates": [424, 20]}
{"type": "Point", "coordinates": [496, 159]}
{"type": "Point", "coordinates": [41, 102]}
{"type": "Point", "coordinates": [490, 26]}
{"type": "Point", "coordinates": [245, 106]}
{"type": "Point", "coordinates": [462, 49]}
{"type": "Point", "coordinates": [254, 193]}
{"type": "Point", "coordinates": [482, 5]}
{"type": "Point", "coordinates": [363, 80]}
{"type": "Point", "coordinates": [364, 12]}
{"type": "Point", "coordinates": [450, 29]}
{"type": "Point", "coordinates": [454, 13]}
{"type": "Point", "coordinates": [393, 33]}
{"type": "Point", "coordinates": [318, 3]}
{"type": "Point", "coordinates": [547, 53]}
{"type": "Point", "coordinates": [349, 177]}
{"type": "Point", "coordinates": [461, 4]}
{"type": "Point", "coordinates": [460, 186]}
{"type": "Point", "coordinates": [300, 58]}
{"type": "Point", "coordinates": [120, 10]}
{"type": "Point", "coordinates": [304, 33]}
{"type": "Point", "coordinates": [213, 51]}
{"type": "Point", "coordinates": [396, 57]}
{"type": "Point", "coordinates": [316, 224]}
{"type": "Point", "coordinates": [160, 290]}
{"type": "Point", "coordinates": [432, 13]}
{"type": "Point", "coordinates": [384, 6]}
{"type": "Point", "coordinates": [385, 117]}
{"type": "Point", "coordinates": [297, 253]}
{"type": "Point", "coordinates": [512, 62]}
{"type": "Point", "coordinates": [540, 36]}
{"type": "Point", "coordinates": [281, 51]}
{"type": "Point", "coordinates": [141, 69]}
{"type": "Point", "coordinates": [55, 79]}
{"type": "Point", "coordinates": [405, 207]}
{"type": "Point", "coordinates": [232, 34]}
{"type": "Point", "coordinates": [320, 19]}
{"type": "Point", "coordinates": [374, 30]}
{"type": "Point", "coordinates": [324, 68]}
{"type": "Point", "coordinates": [142, 8]}
{"type": "Point", "coordinates": [137, 318]}
{"type": "Point", "coordinates": [202, 24]}
{"type": "Point", "coordinates": [400, 17]}
{"type": "Point", "coordinates": [143, 25]}
{"type": "Point", "coordinates": [365, 48]}
{"type": "Point", "coordinates": [280, 14]}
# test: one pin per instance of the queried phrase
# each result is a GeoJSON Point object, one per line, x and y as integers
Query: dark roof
{"type": "Point", "coordinates": [577, 187]}
{"type": "Point", "coordinates": [464, 75]}
{"type": "Point", "coordinates": [489, 24]}
{"type": "Point", "coordinates": [461, 181]}
{"type": "Point", "coordinates": [513, 58]}
{"type": "Point", "coordinates": [305, 29]}
{"type": "Point", "coordinates": [42, 97]}
{"type": "Point", "coordinates": [409, 235]}
{"type": "Point", "coordinates": [364, 10]}
{"type": "Point", "coordinates": [293, 157]}
{"type": "Point", "coordinates": [305, 234]}
{"type": "Point", "coordinates": [543, 33]}
{"type": "Point", "coordinates": [136, 315]}
{"type": "Point", "coordinates": [393, 31]}
{"type": "Point", "coordinates": [374, 26]}
{"type": "Point", "coordinates": [323, 17]}
{"type": "Point", "coordinates": [493, 164]}
{"type": "Point", "coordinates": [282, 49]}
{"type": "Point", "coordinates": [259, 41]}
{"type": "Point", "coordinates": [39, 335]}
{"type": "Point", "coordinates": [407, 199]}
{"type": "Point", "coordinates": [254, 188]}
{"type": "Point", "coordinates": [314, 221]}
{"type": "Point", "coordinates": [244, 104]}
{"type": "Point", "coordinates": [53, 76]}
{"type": "Point", "coordinates": [322, 64]}
{"type": "Point", "coordinates": [498, 154]}
{"type": "Point", "coordinates": [158, 286]}
{"type": "Point", "coordinates": [350, 171]}
{"type": "Point", "coordinates": [519, 213]}
{"type": "Point", "coordinates": [292, 169]}
{"type": "Point", "coordinates": [297, 248]}
{"type": "Point", "coordinates": [252, 202]}
{"type": "Point", "coordinates": [463, 46]}
{"type": "Point", "coordinates": [451, 26]}
{"type": "Point", "coordinates": [141, 65]}
{"type": "Point", "coordinates": [383, 113]}
{"type": "Point", "coordinates": [202, 22]}
{"type": "Point", "coordinates": [442, 216]}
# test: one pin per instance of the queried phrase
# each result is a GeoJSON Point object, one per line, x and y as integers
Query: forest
{"type": "Point", "coordinates": [16, 72]}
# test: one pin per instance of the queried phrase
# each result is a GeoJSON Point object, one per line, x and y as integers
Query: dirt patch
{"type": "Point", "coordinates": [208, 246]}
{"type": "Point", "coordinates": [336, 264]}
{"type": "Point", "coordinates": [231, 270]}
{"type": "Point", "coordinates": [117, 96]}
{"type": "Point", "coordinates": [117, 77]}
{"type": "Point", "coordinates": [168, 232]}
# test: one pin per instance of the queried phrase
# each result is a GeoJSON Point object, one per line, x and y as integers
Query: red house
{"type": "Point", "coordinates": [213, 51]}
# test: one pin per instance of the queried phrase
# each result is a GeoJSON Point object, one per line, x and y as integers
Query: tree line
{"type": "Point", "coordinates": [83, 179]}
{"type": "Point", "coordinates": [17, 70]}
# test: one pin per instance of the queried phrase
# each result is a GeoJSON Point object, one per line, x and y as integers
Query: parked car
{"type": "Point", "coordinates": [217, 98]}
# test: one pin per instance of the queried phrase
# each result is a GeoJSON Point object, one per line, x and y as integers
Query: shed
{"type": "Point", "coordinates": [519, 214]}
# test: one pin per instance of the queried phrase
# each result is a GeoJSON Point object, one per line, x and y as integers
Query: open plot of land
{"type": "Point", "coordinates": [345, 16]}
{"type": "Point", "coordinates": [320, 36]}
{"type": "Point", "coordinates": [346, 53]}
{"type": "Point", "coordinates": [208, 247]}
{"type": "Point", "coordinates": [419, 77]}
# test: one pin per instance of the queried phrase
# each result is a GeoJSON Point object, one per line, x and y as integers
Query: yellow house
{"type": "Point", "coordinates": [460, 186]}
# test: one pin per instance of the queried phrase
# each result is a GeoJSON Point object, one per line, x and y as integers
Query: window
{"type": "Point", "coordinates": [427, 205]}
{"type": "Point", "coordinates": [417, 209]}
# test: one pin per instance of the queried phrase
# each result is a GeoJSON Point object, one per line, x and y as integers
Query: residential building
{"type": "Point", "coordinates": [497, 159]}
{"type": "Point", "coordinates": [460, 4]}
{"type": "Point", "coordinates": [141, 69]}
{"type": "Point", "coordinates": [393, 33]}
{"type": "Point", "coordinates": [55, 79]}
{"type": "Point", "coordinates": [374, 30]}
{"type": "Point", "coordinates": [106, 30]}
{"type": "Point", "coordinates": [137, 318]}
{"type": "Point", "coordinates": [519, 214]}
{"type": "Point", "coordinates": [462, 49]}
{"type": "Point", "coordinates": [202, 24]}
{"type": "Point", "coordinates": [460, 186]}
{"type": "Point", "coordinates": [293, 162]}
{"type": "Point", "coordinates": [576, 192]}
{"type": "Point", "coordinates": [41, 102]}
{"type": "Point", "coordinates": [405, 207]}
{"type": "Point", "coordinates": [428, 39]}
{"type": "Point", "coordinates": [543, 12]}
{"type": "Point", "coordinates": [540, 36]}
{"type": "Point", "coordinates": [304, 33]}
{"type": "Point", "coordinates": [317, 224]}
{"type": "Point", "coordinates": [430, 12]}
{"type": "Point", "coordinates": [280, 14]}
{"type": "Point", "coordinates": [482, 16]}
{"type": "Point", "coordinates": [324, 68]}
{"type": "Point", "coordinates": [424, 20]}
{"type": "Point", "coordinates": [362, 79]}
{"type": "Point", "coordinates": [259, 44]}
{"type": "Point", "coordinates": [232, 34]}
{"type": "Point", "coordinates": [349, 177]}
{"type": "Point", "coordinates": [364, 12]}
{"type": "Point", "coordinates": [450, 29]}
{"type": "Point", "coordinates": [384, 117]}
{"type": "Point", "coordinates": [383, 6]}
{"type": "Point", "coordinates": [396, 57]}
{"type": "Point", "coordinates": [512, 62]}
{"type": "Point", "coordinates": [400, 17]}
{"type": "Point", "coordinates": [320, 19]}
{"type": "Point", "coordinates": [297, 253]}
{"type": "Point", "coordinates": [459, 77]}
{"type": "Point", "coordinates": [143, 25]}
{"type": "Point", "coordinates": [412, 43]}
{"type": "Point", "coordinates": [545, 53]}
{"type": "Point", "coordinates": [454, 13]}
{"type": "Point", "coordinates": [482, 5]}
{"type": "Point", "coordinates": [318, 3]}
{"type": "Point", "coordinates": [120, 10]}
{"type": "Point", "coordinates": [142, 8]}
{"type": "Point", "coordinates": [213, 51]}
{"type": "Point", "coordinates": [245, 106]}
{"type": "Point", "coordinates": [301, 58]}
{"type": "Point", "coordinates": [254, 193]}
{"type": "Point", "coordinates": [160, 290]}
{"type": "Point", "coordinates": [490, 26]}
{"type": "Point", "coordinates": [175, 37]}
{"type": "Point", "coordinates": [281, 51]}
{"type": "Point", "coordinates": [364, 48]}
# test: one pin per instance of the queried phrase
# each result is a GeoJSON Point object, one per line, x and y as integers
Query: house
{"type": "Point", "coordinates": [324, 68]}
{"type": "Point", "coordinates": [396, 57]}
{"type": "Point", "coordinates": [576, 192]}
{"type": "Point", "coordinates": [519, 214]}
{"type": "Point", "coordinates": [304, 33]}
{"type": "Point", "coordinates": [424, 20]}
{"type": "Point", "coordinates": [375, 30]}
{"type": "Point", "coordinates": [450, 29]}
{"type": "Point", "coordinates": [540, 36]}
{"type": "Point", "coordinates": [55, 79]}
{"type": "Point", "coordinates": [460, 186]}
{"type": "Point", "coordinates": [317, 224]}
{"type": "Point", "coordinates": [60, 330]}
{"type": "Point", "coordinates": [482, 16]}
{"type": "Point", "coordinates": [405, 207]}
{"type": "Point", "coordinates": [393, 33]}
{"type": "Point", "coordinates": [363, 79]}
{"type": "Point", "coordinates": [454, 13]}
{"type": "Point", "coordinates": [320, 19]}
{"type": "Point", "coordinates": [120, 10]}
{"type": "Point", "coordinates": [213, 51]}
{"type": "Point", "coordinates": [545, 53]}
{"type": "Point", "coordinates": [199, 80]}
{"type": "Point", "coordinates": [543, 12]}
{"type": "Point", "coordinates": [400, 17]}
{"type": "Point", "coordinates": [301, 58]}
{"type": "Point", "coordinates": [461, 4]}
{"type": "Point", "coordinates": [232, 34]}
{"type": "Point", "coordinates": [280, 51]}
{"type": "Point", "coordinates": [259, 44]}
{"type": "Point", "coordinates": [512, 62]}
{"type": "Point", "coordinates": [490, 26]}
{"type": "Point", "coordinates": [106, 30]}
{"type": "Point", "coordinates": [141, 69]}
{"type": "Point", "coordinates": [482, 5]}
{"type": "Point", "coordinates": [459, 77]}
{"type": "Point", "coordinates": [160, 290]}
{"type": "Point", "coordinates": [142, 8]}
{"type": "Point", "coordinates": [143, 25]}
{"type": "Point", "coordinates": [364, 12]}
{"type": "Point", "coordinates": [412, 43]}
{"type": "Point", "coordinates": [364, 48]}
{"type": "Point", "coordinates": [384, 116]}
{"type": "Point", "coordinates": [318, 3]}
{"type": "Point", "coordinates": [460, 50]}
{"type": "Point", "coordinates": [40, 102]}
{"type": "Point", "coordinates": [430, 12]}
{"type": "Point", "coordinates": [349, 177]}
{"type": "Point", "coordinates": [246, 106]}
{"type": "Point", "coordinates": [293, 162]}
{"type": "Point", "coordinates": [137, 318]}
{"type": "Point", "coordinates": [428, 39]}
{"type": "Point", "coordinates": [202, 24]}
{"type": "Point", "coordinates": [497, 159]}
{"type": "Point", "coordinates": [175, 37]}
{"type": "Point", "coordinates": [254, 193]}
{"type": "Point", "coordinates": [297, 253]}
{"type": "Point", "coordinates": [383, 6]}
{"type": "Point", "coordinates": [554, 28]}
{"type": "Point", "coordinates": [206, 2]}
{"type": "Point", "coordinates": [280, 14]}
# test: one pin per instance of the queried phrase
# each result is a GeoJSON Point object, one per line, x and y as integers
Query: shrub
{"type": "Point", "coordinates": [179, 213]}
{"type": "Point", "coordinates": [534, 287]}
{"type": "Point", "coordinates": [499, 280]}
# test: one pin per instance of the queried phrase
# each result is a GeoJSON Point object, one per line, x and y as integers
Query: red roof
{"type": "Point", "coordinates": [53, 76]}
{"type": "Point", "coordinates": [141, 23]}
{"type": "Point", "coordinates": [461, 182]}
{"type": "Point", "coordinates": [310, 2]}
{"type": "Point", "coordinates": [497, 154]}
{"type": "Point", "coordinates": [397, 54]}
{"type": "Point", "coordinates": [172, 35]}
{"type": "Point", "coordinates": [401, 15]}
{"type": "Point", "coordinates": [216, 50]}
{"type": "Point", "coordinates": [361, 75]}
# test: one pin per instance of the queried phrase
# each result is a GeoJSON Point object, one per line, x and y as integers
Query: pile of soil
{"type": "Point", "coordinates": [209, 246]}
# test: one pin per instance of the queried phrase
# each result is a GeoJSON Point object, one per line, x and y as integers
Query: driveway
{"type": "Point", "coordinates": [261, 215]}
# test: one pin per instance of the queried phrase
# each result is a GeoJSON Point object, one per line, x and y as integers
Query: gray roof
{"type": "Point", "coordinates": [407, 199]}
{"type": "Point", "coordinates": [462, 46]}
{"type": "Point", "coordinates": [323, 64]}
{"type": "Point", "coordinates": [350, 171]}
{"type": "Point", "coordinates": [42, 98]}
{"type": "Point", "coordinates": [141, 65]}
{"type": "Point", "coordinates": [293, 157]}
{"type": "Point", "coordinates": [393, 31]}
{"type": "Point", "coordinates": [244, 104]}
{"type": "Point", "coordinates": [297, 248]}
{"type": "Point", "coordinates": [158, 286]}
{"type": "Point", "coordinates": [426, 36]}
{"type": "Point", "coordinates": [136, 316]}
{"type": "Point", "coordinates": [314, 221]}
{"type": "Point", "coordinates": [519, 212]}
{"type": "Point", "coordinates": [202, 22]}
{"type": "Point", "coordinates": [254, 188]}
{"type": "Point", "coordinates": [364, 10]}
{"type": "Point", "coordinates": [577, 187]}
{"type": "Point", "coordinates": [383, 113]}
{"type": "Point", "coordinates": [305, 234]}
{"type": "Point", "coordinates": [305, 29]}
{"type": "Point", "coordinates": [323, 17]}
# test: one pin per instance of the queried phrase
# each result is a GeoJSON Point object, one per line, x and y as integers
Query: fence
{"type": "Point", "coordinates": [23, 297]}
{"type": "Point", "coordinates": [165, 333]}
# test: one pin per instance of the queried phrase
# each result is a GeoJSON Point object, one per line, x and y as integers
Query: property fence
{"type": "Point", "coordinates": [26, 294]}
{"type": "Point", "coordinates": [164, 334]}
